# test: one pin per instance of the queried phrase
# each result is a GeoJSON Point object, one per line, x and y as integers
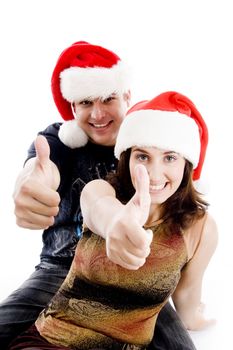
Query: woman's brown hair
{"type": "Point", "coordinates": [182, 208]}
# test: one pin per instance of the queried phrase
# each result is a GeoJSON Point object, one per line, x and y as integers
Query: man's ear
{"type": "Point", "coordinates": [73, 108]}
{"type": "Point", "coordinates": [127, 97]}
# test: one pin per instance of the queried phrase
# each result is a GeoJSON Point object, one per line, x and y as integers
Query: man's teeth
{"type": "Point", "coordinates": [157, 187]}
{"type": "Point", "coordinates": [100, 125]}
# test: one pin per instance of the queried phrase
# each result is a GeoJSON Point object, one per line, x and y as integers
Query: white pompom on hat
{"type": "Point", "coordinates": [85, 71]}
{"type": "Point", "coordinates": [169, 121]}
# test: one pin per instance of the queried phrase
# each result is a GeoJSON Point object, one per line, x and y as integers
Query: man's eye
{"type": "Point", "coordinates": [108, 99]}
{"type": "Point", "coordinates": [85, 103]}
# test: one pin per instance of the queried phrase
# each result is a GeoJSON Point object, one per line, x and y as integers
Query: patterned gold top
{"type": "Point", "coordinates": [100, 303]}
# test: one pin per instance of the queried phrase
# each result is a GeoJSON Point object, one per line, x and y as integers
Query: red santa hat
{"type": "Point", "coordinates": [84, 71]}
{"type": "Point", "coordinates": [169, 121]}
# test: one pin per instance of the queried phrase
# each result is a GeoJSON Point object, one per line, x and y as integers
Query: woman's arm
{"type": "Point", "coordinates": [98, 200]}
{"type": "Point", "coordinates": [127, 243]}
{"type": "Point", "coordinates": [187, 296]}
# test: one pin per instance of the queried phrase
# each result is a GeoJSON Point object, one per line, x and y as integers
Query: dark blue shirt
{"type": "Point", "coordinates": [77, 167]}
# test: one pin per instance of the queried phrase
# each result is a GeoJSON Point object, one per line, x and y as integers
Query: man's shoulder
{"type": "Point", "coordinates": [58, 151]}
{"type": "Point", "coordinates": [51, 129]}
{"type": "Point", "coordinates": [51, 134]}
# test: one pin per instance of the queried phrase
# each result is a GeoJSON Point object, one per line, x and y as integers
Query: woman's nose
{"type": "Point", "coordinates": [156, 173]}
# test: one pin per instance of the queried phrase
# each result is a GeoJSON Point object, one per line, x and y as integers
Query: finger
{"type": "Point", "coordinates": [141, 199]}
{"type": "Point", "coordinates": [42, 150]}
{"type": "Point", "coordinates": [31, 212]}
{"type": "Point", "coordinates": [127, 260]}
{"type": "Point", "coordinates": [142, 185]}
{"type": "Point", "coordinates": [34, 220]}
{"type": "Point", "coordinates": [42, 216]}
{"type": "Point", "coordinates": [141, 239]}
{"type": "Point", "coordinates": [34, 190]}
{"type": "Point", "coordinates": [47, 196]}
{"type": "Point", "coordinates": [132, 259]}
{"type": "Point", "coordinates": [24, 205]}
{"type": "Point", "coordinates": [131, 250]}
{"type": "Point", "coordinates": [149, 236]}
{"type": "Point", "coordinates": [33, 226]}
{"type": "Point", "coordinates": [128, 253]}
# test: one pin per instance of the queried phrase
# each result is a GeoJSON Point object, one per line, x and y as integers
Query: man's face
{"type": "Point", "coordinates": [101, 118]}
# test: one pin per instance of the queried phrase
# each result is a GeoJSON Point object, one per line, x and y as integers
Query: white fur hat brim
{"type": "Point", "coordinates": [81, 83]}
{"type": "Point", "coordinates": [171, 131]}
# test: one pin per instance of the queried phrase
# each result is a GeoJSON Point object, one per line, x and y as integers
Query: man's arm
{"type": "Point", "coordinates": [35, 196]}
{"type": "Point", "coordinates": [187, 296]}
{"type": "Point", "coordinates": [127, 243]}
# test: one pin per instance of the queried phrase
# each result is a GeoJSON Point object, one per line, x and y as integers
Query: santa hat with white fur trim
{"type": "Point", "coordinates": [84, 71]}
{"type": "Point", "coordinates": [169, 121]}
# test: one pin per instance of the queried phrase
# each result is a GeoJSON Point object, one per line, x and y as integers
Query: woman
{"type": "Point", "coordinates": [101, 304]}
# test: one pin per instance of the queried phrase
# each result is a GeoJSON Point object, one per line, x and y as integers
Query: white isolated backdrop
{"type": "Point", "coordinates": [178, 45]}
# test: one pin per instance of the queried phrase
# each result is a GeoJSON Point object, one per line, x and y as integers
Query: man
{"type": "Point", "coordinates": [90, 87]}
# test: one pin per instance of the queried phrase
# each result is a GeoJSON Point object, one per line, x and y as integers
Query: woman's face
{"type": "Point", "coordinates": [165, 169]}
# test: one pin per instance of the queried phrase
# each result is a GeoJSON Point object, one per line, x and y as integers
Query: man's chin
{"type": "Point", "coordinates": [103, 141]}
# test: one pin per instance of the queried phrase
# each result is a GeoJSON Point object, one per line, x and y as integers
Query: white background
{"type": "Point", "coordinates": [171, 45]}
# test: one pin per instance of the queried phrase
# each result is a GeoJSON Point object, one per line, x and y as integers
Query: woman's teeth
{"type": "Point", "coordinates": [157, 187]}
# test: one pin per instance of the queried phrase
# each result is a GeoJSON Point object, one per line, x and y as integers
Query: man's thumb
{"type": "Point", "coordinates": [42, 150]}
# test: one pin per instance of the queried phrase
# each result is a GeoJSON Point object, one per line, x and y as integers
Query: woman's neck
{"type": "Point", "coordinates": [154, 217]}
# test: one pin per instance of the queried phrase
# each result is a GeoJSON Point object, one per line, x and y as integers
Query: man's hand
{"type": "Point", "coordinates": [35, 196]}
{"type": "Point", "coordinates": [127, 242]}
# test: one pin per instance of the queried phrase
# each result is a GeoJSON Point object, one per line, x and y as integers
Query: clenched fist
{"type": "Point", "coordinates": [35, 195]}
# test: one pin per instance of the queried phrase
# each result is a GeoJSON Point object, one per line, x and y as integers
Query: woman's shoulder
{"type": "Point", "coordinates": [204, 228]}
{"type": "Point", "coordinates": [209, 235]}
{"type": "Point", "coordinates": [210, 222]}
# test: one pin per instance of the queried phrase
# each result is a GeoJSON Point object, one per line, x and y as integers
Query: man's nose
{"type": "Point", "coordinates": [98, 111]}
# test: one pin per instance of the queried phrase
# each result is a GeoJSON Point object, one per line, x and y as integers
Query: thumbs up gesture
{"type": "Point", "coordinates": [127, 242]}
{"type": "Point", "coordinates": [35, 196]}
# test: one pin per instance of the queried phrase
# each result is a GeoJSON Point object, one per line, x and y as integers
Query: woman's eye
{"type": "Point", "coordinates": [142, 157]}
{"type": "Point", "coordinates": [170, 158]}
